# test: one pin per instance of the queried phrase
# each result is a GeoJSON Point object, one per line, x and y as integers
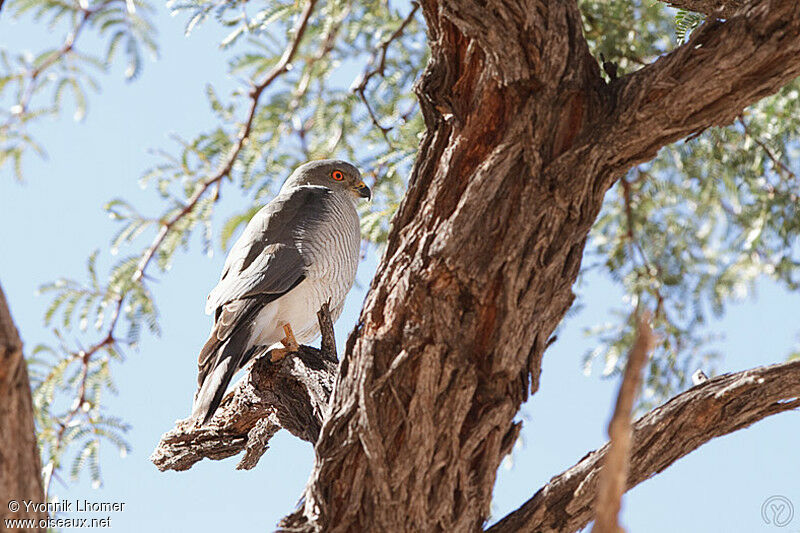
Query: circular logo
{"type": "Point", "coordinates": [777, 510]}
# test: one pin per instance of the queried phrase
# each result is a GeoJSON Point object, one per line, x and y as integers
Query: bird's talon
{"type": "Point", "coordinates": [289, 341]}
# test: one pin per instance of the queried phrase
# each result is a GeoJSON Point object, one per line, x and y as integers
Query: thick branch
{"type": "Point", "coordinates": [716, 407]}
{"type": "Point", "coordinates": [725, 66]}
{"type": "Point", "coordinates": [20, 465]}
{"type": "Point", "coordinates": [291, 394]}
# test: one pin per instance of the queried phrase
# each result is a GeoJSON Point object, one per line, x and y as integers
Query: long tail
{"type": "Point", "coordinates": [209, 395]}
{"type": "Point", "coordinates": [213, 380]}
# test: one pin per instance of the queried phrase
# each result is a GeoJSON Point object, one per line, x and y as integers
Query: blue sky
{"type": "Point", "coordinates": [50, 224]}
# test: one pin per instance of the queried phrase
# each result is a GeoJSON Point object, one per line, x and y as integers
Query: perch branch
{"type": "Point", "coordinates": [291, 394]}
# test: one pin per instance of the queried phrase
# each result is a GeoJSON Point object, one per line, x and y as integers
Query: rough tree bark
{"type": "Point", "coordinates": [523, 139]}
{"type": "Point", "coordinates": [616, 463]}
{"type": "Point", "coordinates": [20, 464]}
{"type": "Point", "coordinates": [709, 7]}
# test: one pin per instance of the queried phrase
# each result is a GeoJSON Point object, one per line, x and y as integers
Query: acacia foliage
{"type": "Point", "coordinates": [693, 230]}
{"type": "Point", "coordinates": [35, 84]}
{"type": "Point", "coordinates": [348, 93]}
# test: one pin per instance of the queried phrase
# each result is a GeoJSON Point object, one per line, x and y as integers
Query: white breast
{"type": "Point", "coordinates": [332, 249]}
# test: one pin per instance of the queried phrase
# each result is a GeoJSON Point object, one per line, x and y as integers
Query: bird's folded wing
{"type": "Point", "coordinates": [275, 271]}
{"type": "Point", "coordinates": [268, 258]}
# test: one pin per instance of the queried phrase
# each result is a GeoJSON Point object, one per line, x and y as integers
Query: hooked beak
{"type": "Point", "coordinates": [363, 191]}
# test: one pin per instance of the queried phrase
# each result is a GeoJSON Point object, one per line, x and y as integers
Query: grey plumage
{"type": "Point", "coordinates": [297, 252]}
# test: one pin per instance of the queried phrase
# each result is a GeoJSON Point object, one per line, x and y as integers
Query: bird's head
{"type": "Point", "coordinates": [332, 173]}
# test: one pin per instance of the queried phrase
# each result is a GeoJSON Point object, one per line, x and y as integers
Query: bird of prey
{"type": "Point", "coordinates": [298, 252]}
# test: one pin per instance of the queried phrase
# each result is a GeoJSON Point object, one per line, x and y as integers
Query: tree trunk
{"type": "Point", "coordinates": [20, 464]}
{"type": "Point", "coordinates": [510, 177]}
{"type": "Point", "coordinates": [523, 139]}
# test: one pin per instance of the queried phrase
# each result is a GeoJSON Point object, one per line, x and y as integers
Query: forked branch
{"type": "Point", "coordinates": [726, 66]}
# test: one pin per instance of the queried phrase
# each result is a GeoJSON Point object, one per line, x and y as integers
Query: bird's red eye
{"type": "Point", "coordinates": [337, 175]}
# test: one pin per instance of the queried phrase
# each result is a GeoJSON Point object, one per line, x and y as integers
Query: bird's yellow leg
{"type": "Point", "coordinates": [289, 343]}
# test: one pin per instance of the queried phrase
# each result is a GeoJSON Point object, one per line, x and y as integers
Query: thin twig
{"type": "Point", "coordinates": [77, 405]}
{"type": "Point", "coordinates": [383, 49]}
{"type": "Point", "coordinates": [379, 57]}
{"type": "Point", "coordinates": [779, 165]}
{"type": "Point", "coordinates": [327, 44]}
{"type": "Point", "coordinates": [775, 160]}
{"type": "Point", "coordinates": [33, 74]}
{"type": "Point", "coordinates": [613, 478]}
{"type": "Point", "coordinates": [384, 130]}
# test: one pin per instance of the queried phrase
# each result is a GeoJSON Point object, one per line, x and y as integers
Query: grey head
{"type": "Point", "coordinates": [334, 174]}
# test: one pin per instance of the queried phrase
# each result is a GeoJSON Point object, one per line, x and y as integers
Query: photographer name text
{"type": "Point", "coordinates": [74, 506]}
